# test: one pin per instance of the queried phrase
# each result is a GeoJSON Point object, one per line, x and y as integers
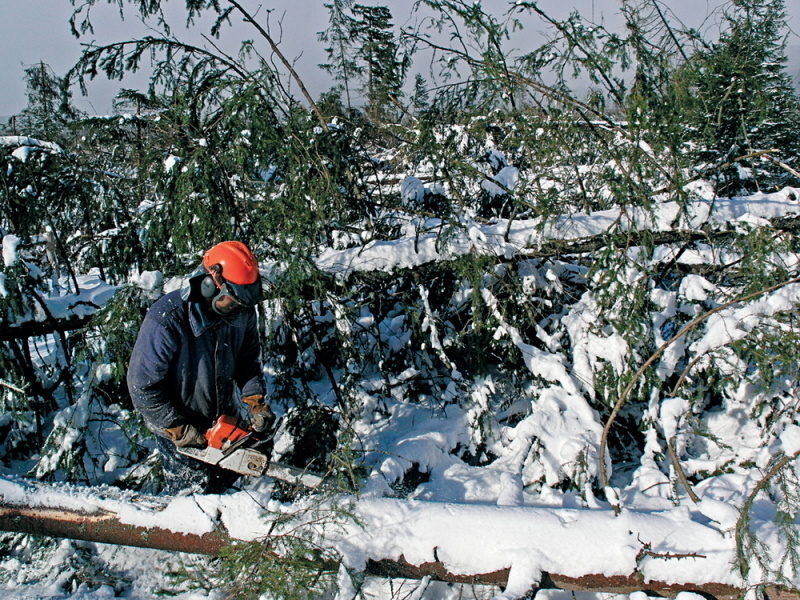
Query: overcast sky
{"type": "Point", "coordinates": [38, 30]}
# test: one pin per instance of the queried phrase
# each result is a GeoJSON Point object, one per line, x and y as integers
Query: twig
{"type": "Point", "coordinates": [11, 386]}
{"type": "Point", "coordinates": [781, 164]}
{"type": "Point", "coordinates": [265, 34]}
{"type": "Point", "coordinates": [676, 464]}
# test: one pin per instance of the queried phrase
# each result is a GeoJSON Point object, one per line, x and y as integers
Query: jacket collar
{"type": "Point", "coordinates": [199, 319]}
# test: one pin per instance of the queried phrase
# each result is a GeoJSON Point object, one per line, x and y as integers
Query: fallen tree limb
{"type": "Point", "coordinates": [36, 328]}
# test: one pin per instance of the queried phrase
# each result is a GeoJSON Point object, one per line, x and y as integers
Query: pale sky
{"type": "Point", "coordinates": [38, 30]}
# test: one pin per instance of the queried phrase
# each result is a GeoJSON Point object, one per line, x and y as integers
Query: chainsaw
{"type": "Point", "coordinates": [235, 448]}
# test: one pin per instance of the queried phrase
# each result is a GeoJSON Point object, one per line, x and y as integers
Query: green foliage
{"type": "Point", "coordinates": [743, 104]}
{"type": "Point", "coordinates": [342, 62]}
{"type": "Point", "coordinates": [780, 482]}
{"type": "Point", "coordinates": [289, 563]}
{"type": "Point", "coordinates": [49, 113]}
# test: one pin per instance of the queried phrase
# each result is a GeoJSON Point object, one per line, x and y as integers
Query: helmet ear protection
{"type": "Point", "coordinates": [210, 285]}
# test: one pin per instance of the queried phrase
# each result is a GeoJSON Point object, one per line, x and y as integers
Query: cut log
{"type": "Point", "coordinates": [105, 527]}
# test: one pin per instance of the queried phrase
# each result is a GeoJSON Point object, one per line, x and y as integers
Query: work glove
{"type": "Point", "coordinates": [186, 435]}
{"type": "Point", "coordinates": [261, 416]}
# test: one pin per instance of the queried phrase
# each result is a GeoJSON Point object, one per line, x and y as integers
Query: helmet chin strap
{"type": "Point", "coordinates": [214, 307]}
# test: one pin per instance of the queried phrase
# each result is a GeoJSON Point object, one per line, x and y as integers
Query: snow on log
{"type": "Point", "coordinates": [521, 547]}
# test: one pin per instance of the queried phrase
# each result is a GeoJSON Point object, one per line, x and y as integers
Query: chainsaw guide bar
{"type": "Point", "coordinates": [247, 461]}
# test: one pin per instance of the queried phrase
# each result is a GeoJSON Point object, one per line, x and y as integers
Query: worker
{"type": "Point", "coordinates": [197, 353]}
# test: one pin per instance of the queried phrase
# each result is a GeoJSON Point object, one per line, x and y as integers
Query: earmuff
{"type": "Point", "coordinates": [209, 286]}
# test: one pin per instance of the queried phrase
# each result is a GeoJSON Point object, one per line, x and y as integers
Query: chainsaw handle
{"type": "Point", "coordinates": [238, 443]}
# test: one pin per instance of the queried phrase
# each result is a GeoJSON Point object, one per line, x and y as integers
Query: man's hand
{"type": "Point", "coordinates": [186, 435]}
{"type": "Point", "coordinates": [261, 416]}
{"type": "Point", "coordinates": [262, 421]}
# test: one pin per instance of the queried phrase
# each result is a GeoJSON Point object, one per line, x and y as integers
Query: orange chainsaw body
{"type": "Point", "coordinates": [225, 432]}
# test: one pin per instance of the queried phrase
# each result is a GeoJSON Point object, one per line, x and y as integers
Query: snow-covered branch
{"type": "Point", "coordinates": [61, 313]}
{"type": "Point", "coordinates": [666, 223]}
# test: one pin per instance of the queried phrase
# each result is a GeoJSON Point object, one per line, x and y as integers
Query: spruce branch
{"type": "Point", "coordinates": [670, 31]}
{"type": "Point", "coordinates": [574, 41]}
{"type": "Point", "coordinates": [745, 540]}
{"type": "Point", "coordinates": [596, 120]}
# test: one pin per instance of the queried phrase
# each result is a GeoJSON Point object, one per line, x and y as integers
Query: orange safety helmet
{"type": "Point", "coordinates": [234, 271]}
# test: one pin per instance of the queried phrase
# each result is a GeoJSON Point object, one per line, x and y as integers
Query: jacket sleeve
{"type": "Point", "coordinates": [147, 371]}
{"type": "Point", "coordinates": [249, 375]}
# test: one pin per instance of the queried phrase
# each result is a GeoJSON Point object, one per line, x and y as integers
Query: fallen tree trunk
{"type": "Point", "coordinates": [662, 224]}
{"type": "Point", "coordinates": [105, 527]}
{"type": "Point", "coordinates": [39, 514]}
{"type": "Point", "coordinates": [614, 584]}
{"type": "Point", "coordinates": [505, 240]}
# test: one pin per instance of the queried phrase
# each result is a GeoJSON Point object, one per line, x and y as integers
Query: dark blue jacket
{"type": "Point", "coordinates": [188, 362]}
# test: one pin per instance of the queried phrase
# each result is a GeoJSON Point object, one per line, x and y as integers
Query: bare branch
{"type": "Point", "coordinates": [265, 34]}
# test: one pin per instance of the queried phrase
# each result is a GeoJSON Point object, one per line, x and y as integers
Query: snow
{"type": "Point", "coordinates": [92, 294]}
{"type": "Point", "coordinates": [503, 182]}
{"type": "Point", "coordinates": [10, 244]}
{"type": "Point", "coordinates": [481, 519]}
{"type": "Point", "coordinates": [26, 142]}
{"type": "Point", "coordinates": [790, 439]}
{"type": "Point", "coordinates": [171, 162]}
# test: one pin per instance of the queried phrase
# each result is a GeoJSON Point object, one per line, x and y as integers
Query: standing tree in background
{"type": "Point", "coordinates": [50, 111]}
{"type": "Point", "coordinates": [342, 62]}
{"type": "Point", "coordinates": [743, 102]}
{"type": "Point", "coordinates": [384, 65]}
